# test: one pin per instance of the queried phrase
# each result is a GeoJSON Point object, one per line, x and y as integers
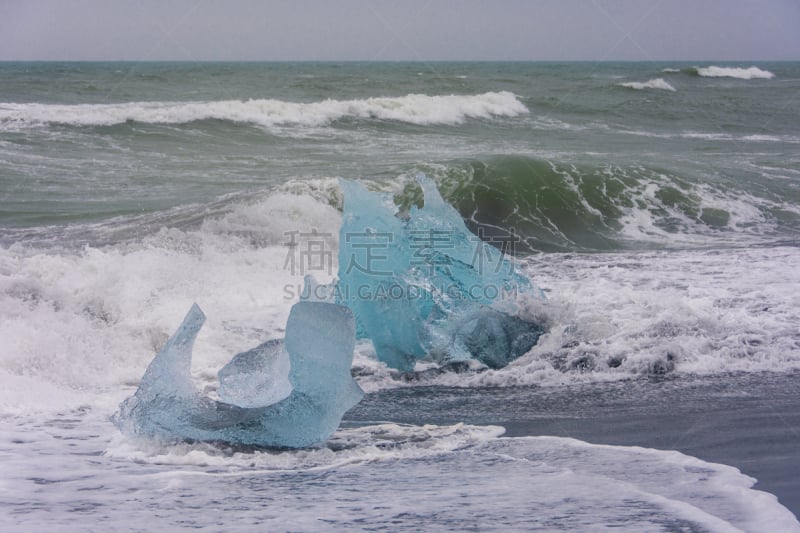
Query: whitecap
{"type": "Point", "coordinates": [656, 83]}
{"type": "Point", "coordinates": [418, 109]}
{"type": "Point", "coordinates": [734, 72]}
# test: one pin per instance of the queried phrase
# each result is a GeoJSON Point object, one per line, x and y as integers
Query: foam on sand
{"type": "Point", "coordinates": [455, 477]}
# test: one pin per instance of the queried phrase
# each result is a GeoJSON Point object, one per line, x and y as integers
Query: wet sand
{"type": "Point", "coordinates": [750, 421]}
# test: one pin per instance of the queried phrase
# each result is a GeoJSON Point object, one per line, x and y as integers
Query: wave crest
{"type": "Point", "coordinates": [656, 83]}
{"type": "Point", "coordinates": [418, 109]}
{"type": "Point", "coordinates": [733, 72]}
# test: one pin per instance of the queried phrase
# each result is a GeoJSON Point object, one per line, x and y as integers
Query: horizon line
{"type": "Point", "coordinates": [704, 60]}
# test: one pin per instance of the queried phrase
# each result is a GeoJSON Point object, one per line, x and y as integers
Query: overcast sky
{"type": "Point", "coordinates": [400, 30]}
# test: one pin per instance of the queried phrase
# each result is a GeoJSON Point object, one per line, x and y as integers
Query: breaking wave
{"type": "Point", "coordinates": [657, 83]}
{"type": "Point", "coordinates": [91, 316]}
{"type": "Point", "coordinates": [417, 109]}
{"type": "Point", "coordinates": [555, 206]}
{"type": "Point", "coordinates": [732, 72]}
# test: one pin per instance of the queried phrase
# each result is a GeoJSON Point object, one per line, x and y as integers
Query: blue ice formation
{"type": "Point", "coordinates": [256, 377]}
{"type": "Point", "coordinates": [256, 408]}
{"type": "Point", "coordinates": [423, 286]}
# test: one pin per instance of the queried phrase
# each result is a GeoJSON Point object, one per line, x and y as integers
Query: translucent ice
{"type": "Point", "coordinates": [256, 377]}
{"type": "Point", "coordinates": [492, 337]}
{"type": "Point", "coordinates": [320, 339]}
{"type": "Point", "coordinates": [423, 285]}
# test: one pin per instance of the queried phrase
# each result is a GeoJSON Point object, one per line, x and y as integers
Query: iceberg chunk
{"type": "Point", "coordinates": [423, 285]}
{"type": "Point", "coordinates": [493, 338]}
{"type": "Point", "coordinates": [256, 377]}
{"type": "Point", "coordinates": [320, 339]}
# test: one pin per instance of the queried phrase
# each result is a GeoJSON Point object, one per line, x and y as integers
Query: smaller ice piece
{"type": "Point", "coordinates": [256, 377]}
{"type": "Point", "coordinates": [257, 408]}
{"type": "Point", "coordinates": [424, 286]}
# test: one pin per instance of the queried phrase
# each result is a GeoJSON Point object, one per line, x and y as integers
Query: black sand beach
{"type": "Point", "coordinates": [750, 421]}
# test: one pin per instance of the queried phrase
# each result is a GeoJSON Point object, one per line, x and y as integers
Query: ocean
{"type": "Point", "coordinates": [657, 206]}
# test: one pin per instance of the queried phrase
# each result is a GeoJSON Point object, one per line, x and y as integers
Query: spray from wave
{"type": "Point", "coordinates": [417, 109]}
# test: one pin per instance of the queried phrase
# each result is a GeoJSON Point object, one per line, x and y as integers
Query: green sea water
{"type": "Point", "coordinates": [575, 156]}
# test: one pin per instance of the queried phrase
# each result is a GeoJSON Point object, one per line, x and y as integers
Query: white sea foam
{"type": "Point", "coordinates": [69, 471]}
{"type": "Point", "coordinates": [508, 477]}
{"type": "Point", "coordinates": [756, 137]}
{"type": "Point", "coordinates": [656, 83]}
{"type": "Point", "coordinates": [768, 138]}
{"type": "Point", "coordinates": [413, 108]}
{"type": "Point", "coordinates": [708, 136]}
{"type": "Point", "coordinates": [670, 70]}
{"type": "Point", "coordinates": [91, 318]}
{"type": "Point", "coordinates": [734, 72]}
{"type": "Point", "coordinates": [715, 136]}
{"type": "Point", "coordinates": [614, 316]}
{"type": "Point", "coordinates": [346, 447]}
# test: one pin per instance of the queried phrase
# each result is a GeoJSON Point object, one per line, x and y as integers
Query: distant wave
{"type": "Point", "coordinates": [670, 70]}
{"type": "Point", "coordinates": [413, 108]}
{"type": "Point", "coordinates": [708, 136]}
{"type": "Point", "coordinates": [657, 83]}
{"type": "Point", "coordinates": [732, 72]}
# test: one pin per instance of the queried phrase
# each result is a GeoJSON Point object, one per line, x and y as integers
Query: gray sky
{"type": "Point", "coordinates": [399, 30]}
